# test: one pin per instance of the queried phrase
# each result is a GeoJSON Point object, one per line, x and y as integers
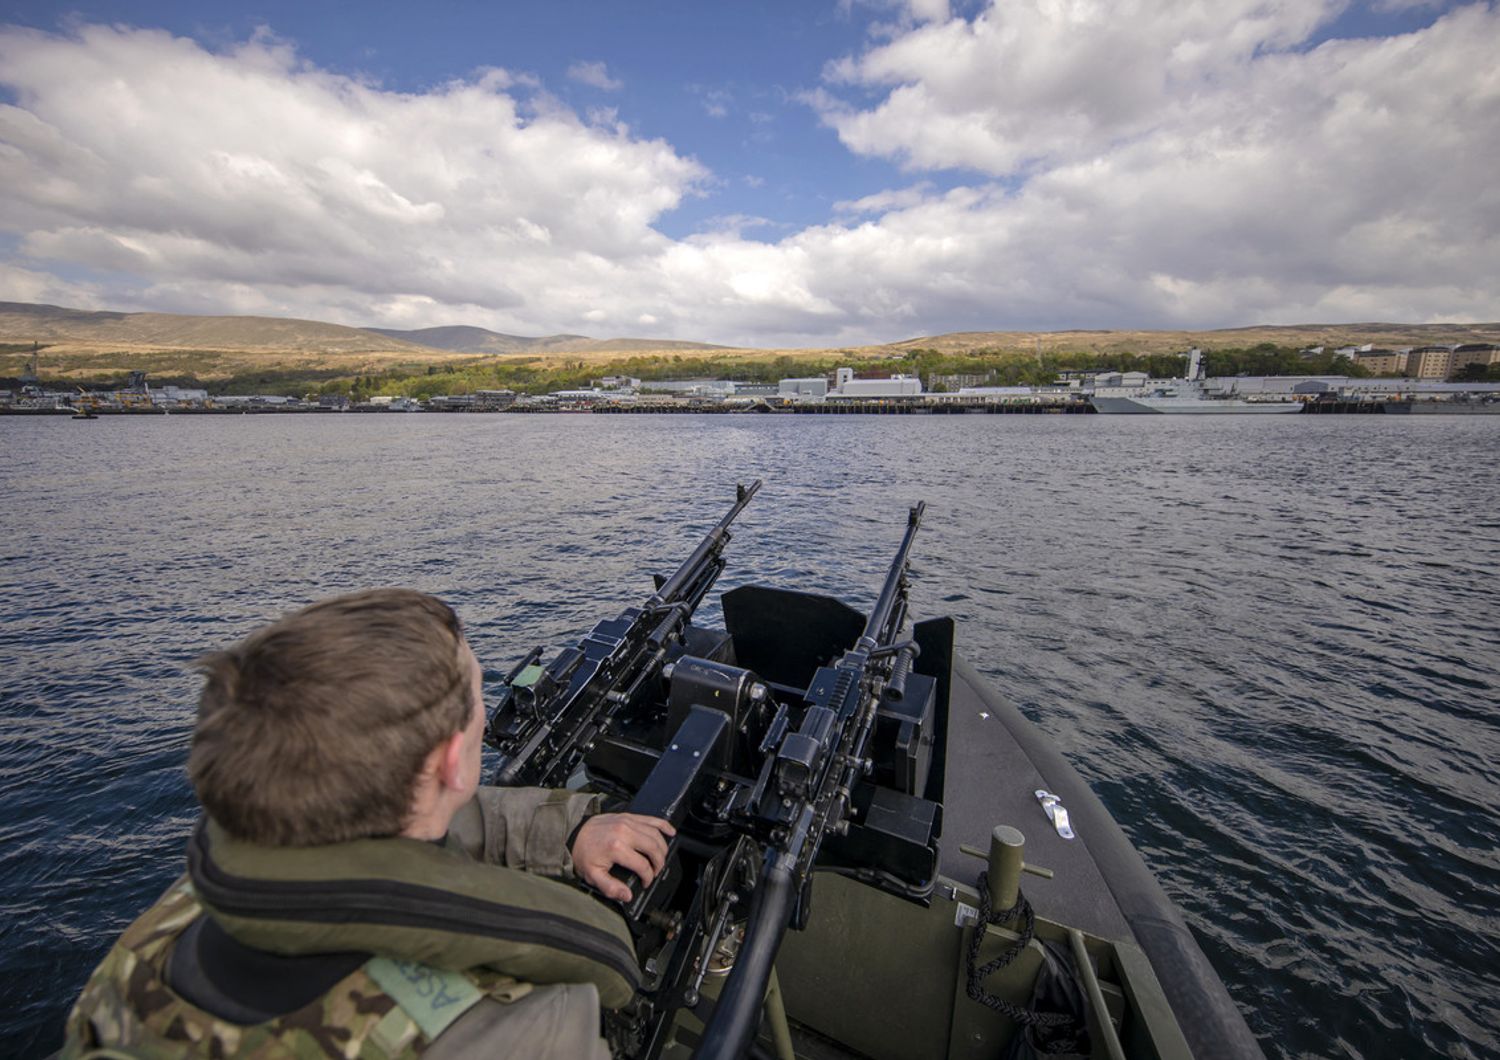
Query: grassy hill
{"type": "Point", "coordinates": [62, 327]}
{"type": "Point", "coordinates": [564, 345]}
{"type": "Point", "coordinates": [1297, 336]}
{"type": "Point", "coordinates": [287, 355]}
{"type": "Point", "coordinates": [465, 339]}
{"type": "Point", "coordinates": [81, 345]}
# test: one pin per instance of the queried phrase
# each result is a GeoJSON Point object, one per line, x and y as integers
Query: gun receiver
{"type": "Point", "coordinates": [547, 718]}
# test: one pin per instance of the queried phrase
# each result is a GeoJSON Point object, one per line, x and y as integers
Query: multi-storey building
{"type": "Point", "coordinates": [1482, 353]}
{"type": "Point", "coordinates": [1430, 362]}
{"type": "Point", "coordinates": [1381, 362]}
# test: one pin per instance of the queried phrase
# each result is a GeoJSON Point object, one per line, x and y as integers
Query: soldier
{"type": "Point", "coordinates": [352, 889]}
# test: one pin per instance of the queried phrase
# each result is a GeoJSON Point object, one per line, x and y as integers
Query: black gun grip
{"type": "Point", "coordinates": [666, 790]}
{"type": "Point", "coordinates": [628, 878]}
{"type": "Point", "coordinates": [636, 903]}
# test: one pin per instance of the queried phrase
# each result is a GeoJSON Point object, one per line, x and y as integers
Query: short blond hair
{"type": "Point", "coordinates": [314, 729]}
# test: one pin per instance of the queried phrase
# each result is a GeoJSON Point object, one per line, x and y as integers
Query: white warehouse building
{"type": "Point", "coordinates": [897, 386]}
{"type": "Point", "coordinates": [816, 388]}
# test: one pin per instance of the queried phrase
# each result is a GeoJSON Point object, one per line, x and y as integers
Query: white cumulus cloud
{"type": "Point", "coordinates": [595, 74]}
{"type": "Point", "coordinates": [203, 175]}
{"type": "Point", "coordinates": [1117, 165]}
{"type": "Point", "coordinates": [1193, 163]}
{"type": "Point", "coordinates": [1041, 79]}
{"type": "Point", "coordinates": [26, 285]}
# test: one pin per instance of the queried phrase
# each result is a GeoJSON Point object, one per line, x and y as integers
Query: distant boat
{"type": "Point", "coordinates": [84, 410]}
{"type": "Point", "coordinates": [1189, 396]}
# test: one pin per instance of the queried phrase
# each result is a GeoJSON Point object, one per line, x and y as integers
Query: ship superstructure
{"type": "Point", "coordinates": [1191, 395]}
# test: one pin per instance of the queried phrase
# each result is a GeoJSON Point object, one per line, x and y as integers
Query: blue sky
{"type": "Point", "coordinates": [718, 80]}
{"type": "Point", "coordinates": [768, 174]}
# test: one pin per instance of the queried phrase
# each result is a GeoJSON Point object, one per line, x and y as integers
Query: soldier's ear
{"type": "Point", "coordinates": [450, 761]}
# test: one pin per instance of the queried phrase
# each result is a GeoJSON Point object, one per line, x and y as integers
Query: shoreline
{"type": "Point", "coordinates": [873, 408]}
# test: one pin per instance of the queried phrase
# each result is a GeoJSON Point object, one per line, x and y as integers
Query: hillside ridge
{"type": "Point", "coordinates": [82, 343]}
{"type": "Point", "coordinates": [466, 338]}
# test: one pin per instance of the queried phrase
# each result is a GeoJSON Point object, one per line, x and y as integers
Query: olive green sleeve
{"type": "Point", "coordinates": [522, 828]}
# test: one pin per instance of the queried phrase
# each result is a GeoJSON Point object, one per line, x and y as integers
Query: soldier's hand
{"type": "Point", "coordinates": [629, 840]}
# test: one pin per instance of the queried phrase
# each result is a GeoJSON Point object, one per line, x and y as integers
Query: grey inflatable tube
{"type": "Point", "coordinates": [1212, 1025]}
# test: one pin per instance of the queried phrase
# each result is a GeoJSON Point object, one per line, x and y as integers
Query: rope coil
{"type": "Point", "coordinates": [1055, 1022]}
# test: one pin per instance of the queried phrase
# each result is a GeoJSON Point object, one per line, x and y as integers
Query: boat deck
{"type": "Point", "coordinates": [1101, 884]}
{"type": "Point", "coordinates": [989, 750]}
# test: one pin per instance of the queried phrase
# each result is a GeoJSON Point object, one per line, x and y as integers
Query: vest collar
{"type": "Point", "coordinates": [415, 900]}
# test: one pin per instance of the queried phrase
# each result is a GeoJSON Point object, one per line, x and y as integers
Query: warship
{"type": "Point", "coordinates": [876, 856]}
{"type": "Point", "coordinates": [1187, 396]}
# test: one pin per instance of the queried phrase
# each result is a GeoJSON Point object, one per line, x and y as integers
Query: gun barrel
{"type": "Point", "coordinates": [737, 1014]}
{"type": "Point", "coordinates": [890, 592]}
{"type": "Point", "coordinates": [712, 543]}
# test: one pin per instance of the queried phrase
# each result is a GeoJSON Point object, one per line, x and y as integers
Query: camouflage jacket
{"type": "Point", "coordinates": [388, 1007]}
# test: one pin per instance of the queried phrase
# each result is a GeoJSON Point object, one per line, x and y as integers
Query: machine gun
{"type": "Point", "coordinates": [811, 774]}
{"type": "Point", "coordinates": [547, 717]}
{"type": "Point", "coordinates": [764, 777]}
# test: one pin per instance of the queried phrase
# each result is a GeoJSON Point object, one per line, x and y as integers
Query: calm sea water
{"type": "Point", "coordinates": [1271, 646]}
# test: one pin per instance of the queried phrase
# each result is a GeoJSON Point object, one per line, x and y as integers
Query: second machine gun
{"type": "Point", "coordinates": [764, 780]}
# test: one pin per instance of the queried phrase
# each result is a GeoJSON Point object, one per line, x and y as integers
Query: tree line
{"type": "Point", "coordinates": [527, 375]}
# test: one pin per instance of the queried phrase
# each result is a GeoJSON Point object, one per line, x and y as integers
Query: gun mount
{"type": "Point", "coordinates": [773, 750]}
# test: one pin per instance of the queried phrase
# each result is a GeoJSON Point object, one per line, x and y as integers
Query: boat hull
{"type": "Point", "coordinates": [1443, 408]}
{"type": "Point", "coordinates": [1149, 406]}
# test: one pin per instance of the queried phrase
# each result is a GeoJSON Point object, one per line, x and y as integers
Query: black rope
{"type": "Point", "coordinates": [978, 973]}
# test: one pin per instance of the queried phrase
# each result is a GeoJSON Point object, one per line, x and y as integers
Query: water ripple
{"type": "Point", "coordinates": [1269, 646]}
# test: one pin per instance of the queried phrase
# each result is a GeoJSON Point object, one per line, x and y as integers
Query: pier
{"type": "Point", "coordinates": [1012, 408]}
{"type": "Point", "coordinates": [1343, 406]}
